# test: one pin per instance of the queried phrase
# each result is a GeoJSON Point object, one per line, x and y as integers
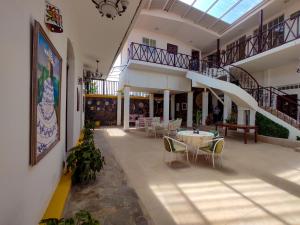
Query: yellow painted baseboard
{"type": "Point", "coordinates": [57, 204]}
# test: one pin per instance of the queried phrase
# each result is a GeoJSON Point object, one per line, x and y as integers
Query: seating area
{"type": "Point", "coordinates": [177, 189]}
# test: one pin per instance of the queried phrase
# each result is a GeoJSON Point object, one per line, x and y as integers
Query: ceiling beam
{"type": "Point", "coordinates": [149, 4]}
{"type": "Point", "coordinates": [224, 14]}
{"type": "Point", "coordinates": [189, 9]}
{"type": "Point", "coordinates": [205, 13]}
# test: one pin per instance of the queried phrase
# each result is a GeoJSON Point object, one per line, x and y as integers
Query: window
{"type": "Point", "coordinates": [272, 34]}
{"type": "Point", "coordinates": [172, 49]}
{"type": "Point", "coordinates": [149, 42]}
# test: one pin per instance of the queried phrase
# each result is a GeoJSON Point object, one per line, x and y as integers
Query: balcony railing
{"type": "Point", "coordinates": [160, 56]}
{"type": "Point", "coordinates": [108, 88]}
{"type": "Point", "coordinates": [102, 87]}
{"type": "Point", "coordinates": [282, 33]}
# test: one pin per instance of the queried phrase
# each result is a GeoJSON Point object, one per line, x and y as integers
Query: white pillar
{"type": "Point", "coordinates": [173, 107]}
{"type": "Point", "coordinates": [151, 105]}
{"type": "Point", "coordinates": [241, 117]}
{"type": "Point", "coordinates": [126, 107]}
{"type": "Point", "coordinates": [119, 109]}
{"type": "Point", "coordinates": [189, 122]}
{"type": "Point", "coordinates": [252, 119]}
{"type": "Point", "coordinates": [166, 107]}
{"type": "Point", "coordinates": [227, 107]}
{"type": "Point", "coordinates": [204, 107]}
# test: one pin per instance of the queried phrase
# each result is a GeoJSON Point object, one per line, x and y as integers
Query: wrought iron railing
{"type": "Point", "coordinates": [277, 35]}
{"type": "Point", "coordinates": [268, 97]}
{"type": "Point", "coordinates": [160, 56]}
{"type": "Point", "coordinates": [102, 87]}
{"type": "Point", "coordinates": [106, 87]}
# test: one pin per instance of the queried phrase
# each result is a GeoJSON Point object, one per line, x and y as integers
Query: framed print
{"type": "Point", "coordinates": [183, 106]}
{"type": "Point", "coordinates": [45, 95]}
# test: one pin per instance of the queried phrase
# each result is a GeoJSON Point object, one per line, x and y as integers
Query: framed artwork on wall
{"type": "Point", "coordinates": [183, 106]}
{"type": "Point", "coordinates": [46, 77]}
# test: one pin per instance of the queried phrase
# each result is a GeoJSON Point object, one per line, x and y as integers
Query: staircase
{"type": "Point", "coordinates": [245, 91]}
{"type": "Point", "coordinates": [267, 97]}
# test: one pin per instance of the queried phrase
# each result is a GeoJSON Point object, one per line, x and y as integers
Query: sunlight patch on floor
{"type": "Point", "coordinates": [243, 201]}
{"type": "Point", "coordinates": [291, 175]}
{"type": "Point", "coordinates": [115, 132]}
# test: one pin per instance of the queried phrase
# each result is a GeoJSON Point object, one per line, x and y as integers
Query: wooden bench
{"type": "Point", "coordinates": [246, 129]}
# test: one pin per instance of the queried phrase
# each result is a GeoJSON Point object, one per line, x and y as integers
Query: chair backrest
{"type": "Point", "coordinates": [218, 146]}
{"type": "Point", "coordinates": [156, 119]}
{"type": "Point", "coordinates": [141, 121]}
{"type": "Point", "coordinates": [148, 121]}
{"type": "Point", "coordinates": [179, 122]}
{"type": "Point", "coordinates": [168, 143]}
{"type": "Point", "coordinates": [215, 133]}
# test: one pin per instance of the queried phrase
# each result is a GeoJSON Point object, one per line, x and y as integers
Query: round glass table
{"type": "Point", "coordinates": [200, 139]}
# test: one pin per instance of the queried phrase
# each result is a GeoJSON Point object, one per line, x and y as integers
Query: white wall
{"type": "Point", "coordinates": [25, 190]}
{"type": "Point", "coordinates": [154, 80]}
{"type": "Point", "coordinates": [137, 35]}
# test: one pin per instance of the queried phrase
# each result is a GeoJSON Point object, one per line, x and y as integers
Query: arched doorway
{"type": "Point", "coordinates": [70, 101]}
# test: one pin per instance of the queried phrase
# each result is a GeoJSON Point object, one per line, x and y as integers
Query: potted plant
{"type": "Point", "coordinates": [198, 117]}
{"type": "Point", "coordinates": [85, 160]}
{"type": "Point", "coordinates": [81, 218]}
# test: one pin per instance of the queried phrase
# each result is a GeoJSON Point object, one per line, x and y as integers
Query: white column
{"type": "Point", "coordinates": [119, 109]}
{"type": "Point", "coordinates": [252, 119]}
{"type": "Point", "coordinates": [173, 107]}
{"type": "Point", "coordinates": [204, 107]}
{"type": "Point", "coordinates": [241, 117]}
{"type": "Point", "coordinates": [126, 107]}
{"type": "Point", "coordinates": [227, 107]}
{"type": "Point", "coordinates": [166, 107]}
{"type": "Point", "coordinates": [151, 105]}
{"type": "Point", "coordinates": [189, 122]}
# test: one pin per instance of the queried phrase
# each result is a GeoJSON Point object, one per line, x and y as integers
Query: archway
{"type": "Point", "coordinates": [70, 101]}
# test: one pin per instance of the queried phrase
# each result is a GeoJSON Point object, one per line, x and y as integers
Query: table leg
{"type": "Point", "coordinates": [255, 135]}
{"type": "Point", "coordinates": [245, 136]}
{"type": "Point", "coordinates": [225, 131]}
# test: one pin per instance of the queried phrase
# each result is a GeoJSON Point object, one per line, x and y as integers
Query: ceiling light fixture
{"type": "Point", "coordinates": [111, 8]}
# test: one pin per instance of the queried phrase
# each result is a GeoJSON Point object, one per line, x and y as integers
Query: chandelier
{"type": "Point", "coordinates": [111, 8]}
{"type": "Point", "coordinates": [89, 75]}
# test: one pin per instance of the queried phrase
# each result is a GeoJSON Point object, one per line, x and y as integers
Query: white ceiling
{"type": "Point", "coordinates": [170, 21]}
{"type": "Point", "coordinates": [99, 37]}
{"type": "Point", "coordinates": [168, 24]}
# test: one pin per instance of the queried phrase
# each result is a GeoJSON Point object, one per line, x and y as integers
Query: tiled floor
{"type": "Point", "coordinates": [258, 183]}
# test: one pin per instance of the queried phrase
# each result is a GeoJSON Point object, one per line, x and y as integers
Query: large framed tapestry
{"type": "Point", "coordinates": [45, 95]}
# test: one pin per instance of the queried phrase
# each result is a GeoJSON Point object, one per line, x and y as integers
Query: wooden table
{"type": "Point", "coordinates": [246, 129]}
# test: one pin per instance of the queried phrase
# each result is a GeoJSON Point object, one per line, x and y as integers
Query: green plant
{"type": "Point", "coordinates": [93, 88]}
{"type": "Point", "coordinates": [85, 160]}
{"type": "Point", "coordinates": [81, 218]}
{"type": "Point", "coordinates": [198, 117]}
{"type": "Point", "coordinates": [232, 119]}
{"type": "Point", "coordinates": [269, 128]}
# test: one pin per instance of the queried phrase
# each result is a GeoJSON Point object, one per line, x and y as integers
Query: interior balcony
{"type": "Point", "coordinates": [143, 57]}
{"type": "Point", "coordinates": [267, 49]}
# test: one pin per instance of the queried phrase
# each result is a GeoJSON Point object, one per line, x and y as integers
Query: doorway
{"type": "Point", "coordinates": [285, 105]}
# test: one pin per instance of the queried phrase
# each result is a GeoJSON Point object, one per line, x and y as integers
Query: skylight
{"type": "Point", "coordinates": [227, 11]}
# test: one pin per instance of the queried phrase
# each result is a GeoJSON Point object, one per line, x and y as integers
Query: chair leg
{"type": "Point", "coordinates": [213, 160]}
{"type": "Point", "coordinates": [187, 155]}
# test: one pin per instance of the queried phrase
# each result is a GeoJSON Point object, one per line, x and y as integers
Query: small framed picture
{"type": "Point", "coordinates": [184, 106]}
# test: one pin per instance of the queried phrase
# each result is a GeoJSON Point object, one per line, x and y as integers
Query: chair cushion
{"type": "Point", "coordinates": [207, 149]}
{"type": "Point", "coordinates": [219, 147]}
{"type": "Point", "coordinates": [178, 147]}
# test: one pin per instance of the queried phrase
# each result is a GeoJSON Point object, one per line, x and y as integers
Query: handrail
{"type": "Point", "coordinates": [262, 42]}
{"type": "Point", "coordinates": [161, 56]}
